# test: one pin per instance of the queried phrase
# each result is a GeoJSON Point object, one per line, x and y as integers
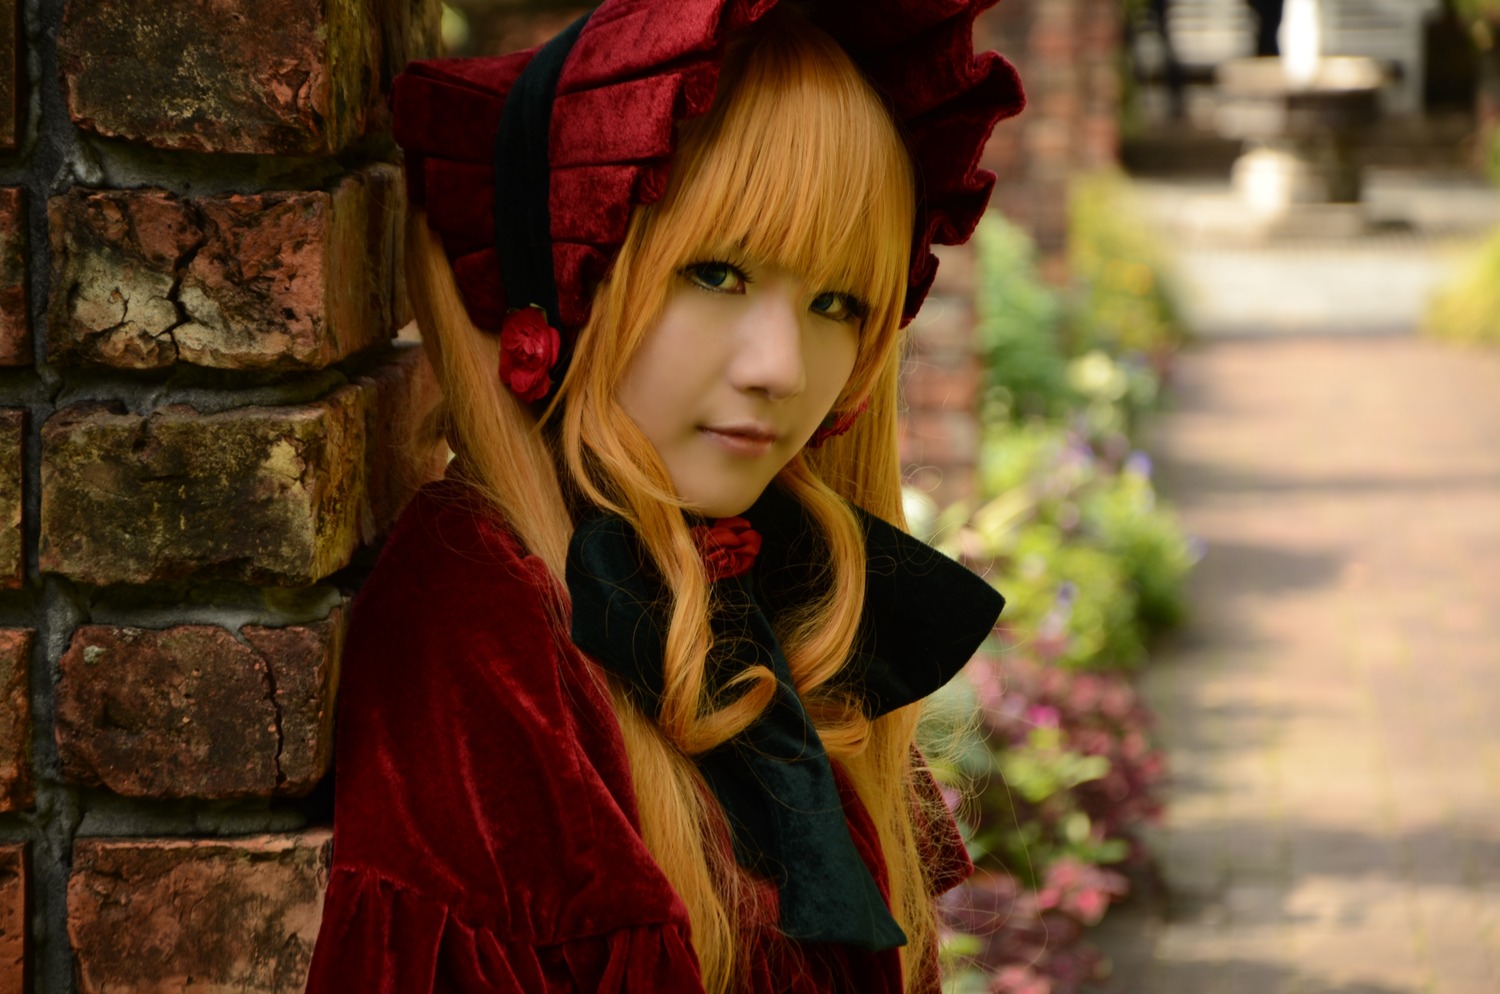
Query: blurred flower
{"type": "Point", "coordinates": [1138, 464]}
{"type": "Point", "coordinates": [1020, 980]}
{"type": "Point", "coordinates": [1043, 716]}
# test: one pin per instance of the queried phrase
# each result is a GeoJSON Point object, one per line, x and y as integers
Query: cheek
{"type": "Point", "coordinates": [661, 383]}
{"type": "Point", "coordinates": [830, 366]}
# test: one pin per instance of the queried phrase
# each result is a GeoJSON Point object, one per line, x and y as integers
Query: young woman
{"type": "Point", "coordinates": [629, 701]}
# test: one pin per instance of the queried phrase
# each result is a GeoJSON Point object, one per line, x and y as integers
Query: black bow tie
{"type": "Point", "coordinates": [924, 616]}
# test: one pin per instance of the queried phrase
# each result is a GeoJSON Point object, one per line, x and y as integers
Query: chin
{"type": "Point", "coordinates": [724, 505]}
{"type": "Point", "coordinates": [722, 508]}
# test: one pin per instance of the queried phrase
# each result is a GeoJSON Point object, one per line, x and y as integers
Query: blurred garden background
{"type": "Point", "coordinates": [1213, 399]}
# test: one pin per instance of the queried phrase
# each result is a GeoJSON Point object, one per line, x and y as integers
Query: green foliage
{"type": "Point", "coordinates": [1020, 321]}
{"type": "Point", "coordinates": [1081, 548]}
{"type": "Point", "coordinates": [1074, 593]}
{"type": "Point", "coordinates": [1043, 774]}
{"type": "Point", "coordinates": [1124, 301]}
{"type": "Point", "coordinates": [1116, 392]}
{"type": "Point", "coordinates": [1490, 154]}
{"type": "Point", "coordinates": [1096, 350]}
{"type": "Point", "coordinates": [1067, 525]}
{"type": "Point", "coordinates": [1155, 554]}
{"type": "Point", "coordinates": [1477, 12]}
{"type": "Point", "coordinates": [1467, 310]}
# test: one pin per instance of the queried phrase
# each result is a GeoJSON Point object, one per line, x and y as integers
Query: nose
{"type": "Point", "coordinates": [768, 357]}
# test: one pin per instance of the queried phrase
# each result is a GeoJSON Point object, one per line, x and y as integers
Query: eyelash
{"type": "Point", "coordinates": [690, 273]}
{"type": "Point", "coordinates": [855, 308]}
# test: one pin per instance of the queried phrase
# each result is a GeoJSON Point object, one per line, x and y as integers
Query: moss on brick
{"type": "Point", "coordinates": [212, 78]}
{"type": "Point", "coordinates": [262, 495]}
{"type": "Point", "coordinates": [12, 539]}
{"type": "Point", "coordinates": [15, 326]}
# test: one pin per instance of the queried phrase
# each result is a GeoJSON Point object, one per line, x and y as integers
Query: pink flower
{"type": "Point", "coordinates": [728, 547]}
{"type": "Point", "coordinates": [1042, 716]}
{"type": "Point", "coordinates": [528, 351]}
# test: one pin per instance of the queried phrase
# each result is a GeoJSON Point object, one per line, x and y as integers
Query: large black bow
{"type": "Point", "coordinates": [923, 617]}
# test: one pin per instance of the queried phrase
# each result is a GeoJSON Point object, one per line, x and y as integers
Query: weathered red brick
{"type": "Point", "coordinates": [12, 542]}
{"type": "Point", "coordinates": [949, 386]}
{"type": "Point", "coordinates": [194, 711]}
{"type": "Point", "coordinates": [401, 393]}
{"type": "Point", "coordinates": [12, 75]}
{"type": "Point", "coordinates": [409, 29]}
{"type": "Point", "coordinates": [15, 936]}
{"type": "Point", "coordinates": [956, 269]}
{"type": "Point", "coordinates": [15, 326]}
{"type": "Point", "coordinates": [275, 281]}
{"type": "Point", "coordinates": [270, 495]}
{"type": "Point", "coordinates": [293, 280]}
{"type": "Point", "coordinates": [305, 662]}
{"type": "Point", "coordinates": [944, 326]}
{"type": "Point", "coordinates": [17, 790]}
{"type": "Point", "coordinates": [266, 77]}
{"type": "Point", "coordinates": [115, 256]}
{"type": "Point", "coordinates": [164, 916]}
{"type": "Point", "coordinates": [942, 438]}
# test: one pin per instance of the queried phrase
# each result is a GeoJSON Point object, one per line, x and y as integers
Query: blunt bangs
{"type": "Point", "coordinates": [798, 165]}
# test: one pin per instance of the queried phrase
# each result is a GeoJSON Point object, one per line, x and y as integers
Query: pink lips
{"type": "Point", "coordinates": [746, 438]}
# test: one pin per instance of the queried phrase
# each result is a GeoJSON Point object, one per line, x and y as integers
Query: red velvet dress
{"type": "Point", "coordinates": [486, 837]}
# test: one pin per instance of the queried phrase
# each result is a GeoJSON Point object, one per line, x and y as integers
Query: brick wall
{"type": "Point", "coordinates": [1068, 54]}
{"type": "Point", "coordinates": [202, 400]}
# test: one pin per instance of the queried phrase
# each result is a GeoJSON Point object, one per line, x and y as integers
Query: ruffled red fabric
{"type": "Point", "coordinates": [486, 837]}
{"type": "Point", "coordinates": [384, 937]}
{"type": "Point", "coordinates": [633, 75]}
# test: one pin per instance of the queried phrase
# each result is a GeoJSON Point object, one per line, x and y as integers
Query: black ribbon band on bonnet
{"type": "Point", "coordinates": [523, 182]}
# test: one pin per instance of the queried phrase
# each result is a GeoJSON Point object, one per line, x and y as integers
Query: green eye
{"type": "Point", "coordinates": [838, 306]}
{"type": "Point", "coordinates": [720, 277]}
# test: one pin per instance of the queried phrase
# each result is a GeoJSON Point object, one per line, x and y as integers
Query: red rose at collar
{"type": "Point", "coordinates": [728, 547]}
{"type": "Point", "coordinates": [528, 351]}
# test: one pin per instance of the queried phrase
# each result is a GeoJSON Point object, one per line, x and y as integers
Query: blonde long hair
{"type": "Point", "coordinates": [798, 164]}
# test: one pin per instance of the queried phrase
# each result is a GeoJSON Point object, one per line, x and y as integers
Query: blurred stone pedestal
{"type": "Point", "coordinates": [1302, 162]}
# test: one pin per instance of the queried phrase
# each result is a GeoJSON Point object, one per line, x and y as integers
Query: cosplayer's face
{"type": "Point", "coordinates": [744, 364]}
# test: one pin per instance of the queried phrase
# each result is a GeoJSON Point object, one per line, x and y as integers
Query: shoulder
{"type": "Point", "coordinates": [448, 537]}
{"type": "Point", "coordinates": [479, 759]}
{"type": "Point", "coordinates": [456, 613]}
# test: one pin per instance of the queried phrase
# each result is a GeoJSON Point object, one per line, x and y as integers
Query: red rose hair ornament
{"type": "Point", "coordinates": [528, 350]}
{"type": "Point", "coordinates": [528, 164]}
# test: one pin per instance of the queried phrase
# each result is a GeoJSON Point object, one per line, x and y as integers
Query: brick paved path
{"type": "Point", "coordinates": [1332, 713]}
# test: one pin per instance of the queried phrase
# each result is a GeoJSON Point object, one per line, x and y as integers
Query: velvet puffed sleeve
{"type": "Point", "coordinates": [485, 832]}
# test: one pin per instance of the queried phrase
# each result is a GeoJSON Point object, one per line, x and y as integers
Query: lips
{"type": "Point", "coordinates": [750, 438]}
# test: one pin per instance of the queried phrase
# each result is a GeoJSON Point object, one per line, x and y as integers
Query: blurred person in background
{"type": "Point", "coordinates": [1268, 25]}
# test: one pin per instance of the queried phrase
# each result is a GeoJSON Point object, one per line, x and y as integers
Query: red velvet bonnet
{"type": "Point", "coordinates": [639, 67]}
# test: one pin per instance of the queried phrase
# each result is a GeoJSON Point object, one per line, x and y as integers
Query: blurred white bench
{"type": "Point", "coordinates": [1207, 32]}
